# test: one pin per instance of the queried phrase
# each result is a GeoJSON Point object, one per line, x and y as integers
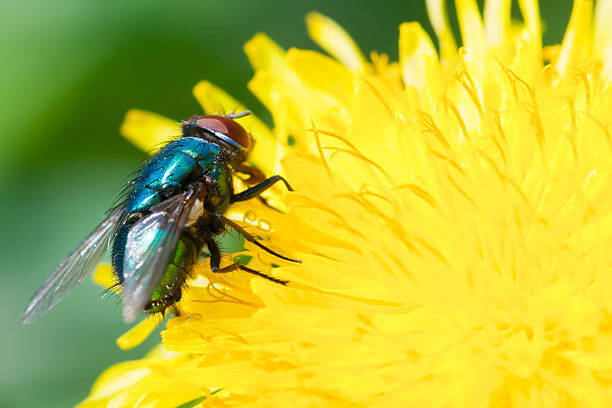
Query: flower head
{"type": "Point", "coordinates": [452, 212]}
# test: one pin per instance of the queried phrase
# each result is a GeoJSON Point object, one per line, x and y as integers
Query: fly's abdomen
{"type": "Point", "coordinates": [168, 291]}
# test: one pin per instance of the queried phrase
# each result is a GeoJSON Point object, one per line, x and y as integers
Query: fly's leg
{"type": "Point", "coordinates": [256, 176]}
{"type": "Point", "coordinates": [258, 189]}
{"type": "Point", "coordinates": [252, 239]}
{"type": "Point", "coordinates": [215, 263]}
{"type": "Point", "coordinates": [239, 266]}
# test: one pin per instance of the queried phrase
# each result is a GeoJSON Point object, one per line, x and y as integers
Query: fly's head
{"type": "Point", "coordinates": [224, 131]}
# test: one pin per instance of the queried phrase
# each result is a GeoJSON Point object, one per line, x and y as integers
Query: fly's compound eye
{"type": "Point", "coordinates": [225, 129]}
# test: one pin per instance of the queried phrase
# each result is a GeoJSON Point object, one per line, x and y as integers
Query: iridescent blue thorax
{"type": "Point", "coordinates": [178, 164]}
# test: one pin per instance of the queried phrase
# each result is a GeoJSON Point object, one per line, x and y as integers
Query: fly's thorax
{"type": "Point", "coordinates": [229, 154]}
{"type": "Point", "coordinates": [219, 188]}
{"type": "Point", "coordinates": [178, 164]}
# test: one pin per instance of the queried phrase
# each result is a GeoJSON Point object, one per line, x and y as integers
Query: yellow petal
{"type": "Point", "coordinates": [436, 9]}
{"type": "Point", "coordinates": [149, 131]}
{"type": "Point", "coordinates": [603, 33]}
{"type": "Point", "coordinates": [290, 99]}
{"type": "Point", "coordinates": [531, 14]}
{"type": "Point", "coordinates": [322, 73]}
{"type": "Point", "coordinates": [263, 53]}
{"type": "Point", "coordinates": [497, 21]}
{"type": "Point", "coordinates": [138, 333]}
{"type": "Point", "coordinates": [418, 57]}
{"type": "Point", "coordinates": [333, 39]}
{"type": "Point", "coordinates": [113, 380]}
{"type": "Point", "coordinates": [472, 31]}
{"type": "Point", "coordinates": [104, 276]}
{"type": "Point", "coordinates": [576, 44]}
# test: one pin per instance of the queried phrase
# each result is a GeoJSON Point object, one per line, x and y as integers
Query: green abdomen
{"type": "Point", "coordinates": [169, 289]}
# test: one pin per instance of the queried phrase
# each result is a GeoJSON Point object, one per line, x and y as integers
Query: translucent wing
{"type": "Point", "coordinates": [81, 261]}
{"type": "Point", "coordinates": [150, 244]}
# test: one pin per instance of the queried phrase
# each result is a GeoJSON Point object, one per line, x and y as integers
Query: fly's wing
{"type": "Point", "coordinates": [81, 261]}
{"type": "Point", "coordinates": [150, 244]}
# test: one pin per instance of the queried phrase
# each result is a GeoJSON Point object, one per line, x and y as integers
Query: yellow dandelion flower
{"type": "Point", "coordinates": [452, 212]}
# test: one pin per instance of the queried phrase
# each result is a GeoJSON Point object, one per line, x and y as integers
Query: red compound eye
{"type": "Point", "coordinates": [223, 128]}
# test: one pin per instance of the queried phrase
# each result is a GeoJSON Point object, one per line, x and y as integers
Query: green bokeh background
{"type": "Point", "coordinates": [69, 71]}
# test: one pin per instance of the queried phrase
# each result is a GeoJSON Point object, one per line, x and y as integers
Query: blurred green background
{"type": "Point", "coordinates": [69, 71]}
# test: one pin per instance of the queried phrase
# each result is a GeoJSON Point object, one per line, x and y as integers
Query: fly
{"type": "Point", "coordinates": [173, 210]}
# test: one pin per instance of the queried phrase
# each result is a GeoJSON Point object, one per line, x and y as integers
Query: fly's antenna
{"type": "Point", "coordinates": [238, 115]}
